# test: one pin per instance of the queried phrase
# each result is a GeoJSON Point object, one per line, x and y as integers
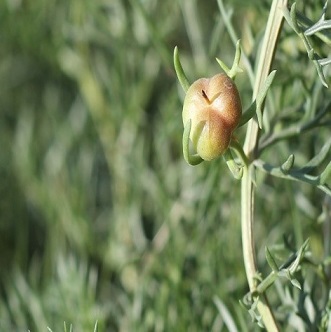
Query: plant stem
{"type": "Point", "coordinates": [247, 188]}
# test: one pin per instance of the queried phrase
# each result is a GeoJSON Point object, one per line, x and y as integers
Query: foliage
{"type": "Point", "coordinates": [101, 218]}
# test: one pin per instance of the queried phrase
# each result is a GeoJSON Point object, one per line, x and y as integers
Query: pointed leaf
{"type": "Point", "coordinates": [235, 169]}
{"type": "Point", "coordinates": [248, 114]}
{"type": "Point", "coordinates": [288, 164]}
{"type": "Point", "coordinates": [262, 95]}
{"type": "Point", "coordinates": [296, 283]}
{"type": "Point", "coordinates": [300, 254]}
{"type": "Point", "coordinates": [318, 159]}
{"type": "Point", "coordinates": [271, 261]}
{"type": "Point", "coordinates": [226, 315]}
{"type": "Point", "coordinates": [180, 71]}
{"type": "Point", "coordinates": [324, 62]}
{"type": "Point", "coordinates": [326, 173]}
{"type": "Point", "coordinates": [223, 66]}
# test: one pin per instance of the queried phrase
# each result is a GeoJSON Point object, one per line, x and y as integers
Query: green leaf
{"type": "Point", "coordinates": [300, 254]}
{"type": "Point", "coordinates": [248, 114]}
{"type": "Point", "coordinates": [294, 175]}
{"type": "Point", "coordinates": [326, 173]}
{"type": "Point", "coordinates": [96, 327]}
{"type": "Point", "coordinates": [324, 62]}
{"type": "Point", "coordinates": [295, 283]}
{"type": "Point", "coordinates": [291, 18]}
{"type": "Point", "coordinates": [180, 71]}
{"type": "Point", "coordinates": [288, 164]}
{"type": "Point", "coordinates": [225, 315]}
{"type": "Point", "coordinates": [262, 95]}
{"type": "Point", "coordinates": [236, 170]}
{"type": "Point", "coordinates": [235, 69]}
{"type": "Point", "coordinates": [322, 23]}
{"type": "Point", "coordinates": [192, 159]}
{"type": "Point", "coordinates": [318, 159]}
{"type": "Point", "coordinates": [270, 259]}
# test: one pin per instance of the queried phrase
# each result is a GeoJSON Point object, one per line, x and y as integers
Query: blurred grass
{"type": "Point", "coordinates": [101, 219]}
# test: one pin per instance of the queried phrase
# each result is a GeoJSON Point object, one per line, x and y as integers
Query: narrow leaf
{"type": "Point", "coordinates": [271, 261]}
{"type": "Point", "coordinates": [225, 314]}
{"type": "Point", "coordinates": [223, 66]}
{"type": "Point", "coordinates": [293, 15]}
{"type": "Point", "coordinates": [295, 283]}
{"type": "Point", "coordinates": [288, 164]}
{"type": "Point", "coordinates": [318, 159]}
{"type": "Point", "coordinates": [326, 173]}
{"type": "Point", "coordinates": [300, 254]}
{"type": "Point", "coordinates": [180, 71]}
{"type": "Point", "coordinates": [293, 175]}
{"type": "Point", "coordinates": [248, 114]}
{"type": "Point", "coordinates": [319, 26]}
{"type": "Point", "coordinates": [324, 62]}
{"type": "Point", "coordinates": [236, 170]}
{"type": "Point", "coordinates": [262, 95]}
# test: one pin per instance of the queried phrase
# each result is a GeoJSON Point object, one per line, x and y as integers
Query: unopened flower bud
{"type": "Point", "coordinates": [214, 107]}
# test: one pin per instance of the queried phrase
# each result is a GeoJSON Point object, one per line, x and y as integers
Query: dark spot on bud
{"type": "Point", "coordinates": [204, 95]}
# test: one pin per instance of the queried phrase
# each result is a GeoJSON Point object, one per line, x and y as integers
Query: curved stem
{"type": "Point", "coordinates": [247, 228]}
{"type": "Point", "coordinates": [247, 207]}
{"type": "Point", "coordinates": [247, 187]}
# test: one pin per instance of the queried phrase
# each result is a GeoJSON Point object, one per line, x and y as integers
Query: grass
{"type": "Point", "coordinates": [101, 218]}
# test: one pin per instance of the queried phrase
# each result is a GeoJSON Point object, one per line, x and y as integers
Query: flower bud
{"type": "Point", "coordinates": [214, 107]}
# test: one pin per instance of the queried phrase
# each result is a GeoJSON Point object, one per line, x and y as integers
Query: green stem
{"type": "Point", "coordinates": [247, 188]}
{"type": "Point", "coordinates": [292, 20]}
{"type": "Point", "coordinates": [297, 175]}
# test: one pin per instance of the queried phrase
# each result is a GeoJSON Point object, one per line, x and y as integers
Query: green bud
{"type": "Point", "coordinates": [214, 107]}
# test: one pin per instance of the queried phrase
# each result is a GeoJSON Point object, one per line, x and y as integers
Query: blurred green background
{"type": "Point", "coordinates": [101, 218]}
